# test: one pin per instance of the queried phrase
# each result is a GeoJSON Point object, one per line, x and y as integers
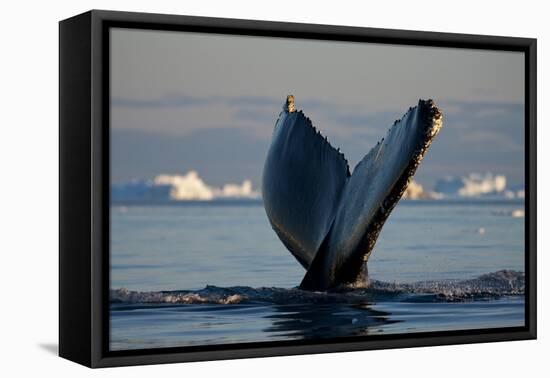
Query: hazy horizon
{"type": "Point", "coordinates": [189, 101]}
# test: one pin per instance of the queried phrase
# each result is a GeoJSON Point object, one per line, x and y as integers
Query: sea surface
{"type": "Point", "coordinates": [193, 273]}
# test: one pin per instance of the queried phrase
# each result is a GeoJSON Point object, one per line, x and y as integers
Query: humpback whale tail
{"type": "Point", "coordinates": [326, 217]}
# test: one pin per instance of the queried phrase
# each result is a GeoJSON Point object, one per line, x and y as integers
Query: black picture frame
{"type": "Point", "coordinates": [84, 187]}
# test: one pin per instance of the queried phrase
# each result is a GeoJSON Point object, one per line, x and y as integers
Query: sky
{"type": "Point", "coordinates": [185, 101]}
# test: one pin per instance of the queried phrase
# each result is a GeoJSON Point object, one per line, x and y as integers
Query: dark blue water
{"type": "Point", "coordinates": [186, 247]}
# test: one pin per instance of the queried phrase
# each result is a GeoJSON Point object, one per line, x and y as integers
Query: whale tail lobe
{"type": "Point", "coordinates": [328, 218]}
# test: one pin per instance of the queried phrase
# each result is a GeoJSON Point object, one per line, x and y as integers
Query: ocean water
{"type": "Point", "coordinates": [215, 273]}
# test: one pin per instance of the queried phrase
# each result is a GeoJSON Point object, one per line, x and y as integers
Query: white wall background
{"type": "Point", "coordinates": [29, 186]}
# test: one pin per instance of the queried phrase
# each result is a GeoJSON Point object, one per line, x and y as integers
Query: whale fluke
{"type": "Point", "coordinates": [303, 179]}
{"type": "Point", "coordinates": [328, 219]}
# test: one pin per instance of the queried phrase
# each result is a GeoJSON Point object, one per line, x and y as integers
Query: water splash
{"type": "Point", "coordinates": [490, 285]}
{"type": "Point", "coordinates": [496, 284]}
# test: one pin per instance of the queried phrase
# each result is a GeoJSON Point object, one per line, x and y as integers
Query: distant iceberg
{"type": "Point", "coordinates": [187, 187]}
{"type": "Point", "coordinates": [416, 191]}
{"type": "Point", "coordinates": [472, 185]}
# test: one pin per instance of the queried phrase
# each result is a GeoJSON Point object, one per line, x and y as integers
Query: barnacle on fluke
{"type": "Point", "coordinates": [328, 218]}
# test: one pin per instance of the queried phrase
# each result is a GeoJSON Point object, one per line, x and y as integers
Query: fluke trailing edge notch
{"type": "Point", "coordinates": [327, 217]}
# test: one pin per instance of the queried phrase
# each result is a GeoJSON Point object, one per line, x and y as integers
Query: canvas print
{"type": "Point", "coordinates": [270, 189]}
